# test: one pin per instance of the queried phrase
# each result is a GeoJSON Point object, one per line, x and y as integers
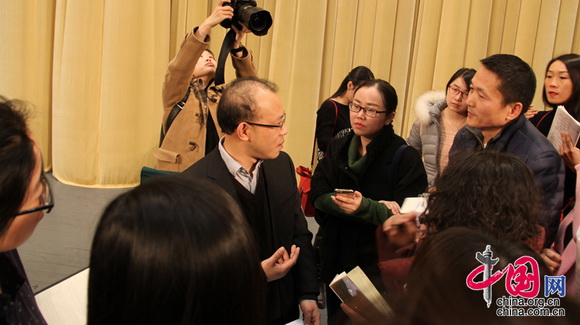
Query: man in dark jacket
{"type": "Point", "coordinates": [249, 164]}
{"type": "Point", "coordinates": [501, 92]}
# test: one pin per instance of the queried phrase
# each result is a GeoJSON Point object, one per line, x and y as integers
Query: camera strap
{"type": "Point", "coordinates": [225, 50]}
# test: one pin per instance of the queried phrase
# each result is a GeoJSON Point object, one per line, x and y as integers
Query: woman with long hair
{"type": "Point", "coordinates": [561, 88]}
{"type": "Point", "coordinates": [495, 192]}
{"type": "Point", "coordinates": [166, 253]}
{"type": "Point", "coordinates": [486, 191]}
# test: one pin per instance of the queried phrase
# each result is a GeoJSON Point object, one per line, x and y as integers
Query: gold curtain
{"type": "Point", "coordinates": [93, 70]}
{"type": "Point", "coordinates": [26, 39]}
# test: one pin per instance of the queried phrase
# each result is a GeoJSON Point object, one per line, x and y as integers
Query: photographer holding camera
{"type": "Point", "coordinates": [189, 95]}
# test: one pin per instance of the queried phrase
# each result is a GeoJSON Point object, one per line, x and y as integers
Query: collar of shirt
{"type": "Point", "coordinates": [241, 174]}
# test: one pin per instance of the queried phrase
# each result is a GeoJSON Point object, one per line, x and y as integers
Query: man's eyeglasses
{"type": "Point", "coordinates": [279, 125]}
{"type": "Point", "coordinates": [370, 112]}
{"type": "Point", "coordinates": [456, 91]}
{"type": "Point", "coordinates": [47, 198]}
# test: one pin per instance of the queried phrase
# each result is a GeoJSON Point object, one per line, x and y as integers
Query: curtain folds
{"type": "Point", "coordinates": [93, 70]}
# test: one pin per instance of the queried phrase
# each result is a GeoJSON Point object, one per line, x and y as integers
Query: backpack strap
{"type": "Point", "coordinates": [173, 114]}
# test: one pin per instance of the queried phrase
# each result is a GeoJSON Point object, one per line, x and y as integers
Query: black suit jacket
{"type": "Point", "coordinates": [289, 227]}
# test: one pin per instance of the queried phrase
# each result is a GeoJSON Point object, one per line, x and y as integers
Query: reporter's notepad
{"type": "Point", "coordinates": [358, 292]}
{"type": "Point", "coordinates": [563, 122]}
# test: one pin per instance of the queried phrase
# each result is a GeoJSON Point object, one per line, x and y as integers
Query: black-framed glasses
{"type": "Point", "coordinates": [279, 125]}
{"type": "Point", "coordinates": [370, 112]}
{"type": "Point", "coordinates": [456, 91]}
{"type": "Point", "coordinates": [46, 196]}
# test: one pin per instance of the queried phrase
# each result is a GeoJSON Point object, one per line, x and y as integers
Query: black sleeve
{"type": "Point", "coordinates": [306, 284]}
{"type": "Point", "coordinates": [323, 179]}
{"type": "Point", "coordinates": [412, 176]}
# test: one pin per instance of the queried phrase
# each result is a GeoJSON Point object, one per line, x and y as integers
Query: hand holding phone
{"type": "Point", "coordinates": [343, 192]}
{"type": "Point", "coordinates": [347, 200]}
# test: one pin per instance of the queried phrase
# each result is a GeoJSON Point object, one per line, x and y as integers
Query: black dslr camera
{"type": "Point", "coordinates": [256, 19]}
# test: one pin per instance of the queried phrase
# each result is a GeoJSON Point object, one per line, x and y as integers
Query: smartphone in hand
{"type": "Point", "coordinates": [343, 192]}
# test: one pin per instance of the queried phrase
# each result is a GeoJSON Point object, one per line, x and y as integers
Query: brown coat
{"type": "Point", "coordinates": [184, 142]}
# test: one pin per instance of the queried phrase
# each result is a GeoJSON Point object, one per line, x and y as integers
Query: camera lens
{"type": "Point", "coordinates": [256, 19]}
{"type": "Point", "coordinates": [260, 22]}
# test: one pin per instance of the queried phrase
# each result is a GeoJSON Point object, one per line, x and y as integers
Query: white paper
{"type": "Point", "coordinates": [563, 122]}
{"type": "Point", "coordinates": [66, 302]}
{"type": "Point", "coordinates": [414, 204]}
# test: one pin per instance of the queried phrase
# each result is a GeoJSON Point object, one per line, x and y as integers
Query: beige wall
{"type": "Point", "coordinates": [94, 69]}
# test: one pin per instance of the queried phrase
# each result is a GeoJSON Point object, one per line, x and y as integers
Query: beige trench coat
{"type": "Point", "coordinates": [184, 142]}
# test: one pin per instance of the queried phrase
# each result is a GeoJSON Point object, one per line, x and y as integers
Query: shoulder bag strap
{"type": "Point", "coordinates": [543, 117]}
{"type": "Point", "coordinates": [335, 117]}
{"type": "Point", "coordinates": [314, 151]}
{"type": "Point", "coordinates": [173, 114]}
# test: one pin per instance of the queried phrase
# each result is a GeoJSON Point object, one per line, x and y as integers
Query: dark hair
{"type": "Point", "coordinates": [437, 290]}
{"type": "Point", "coordinates": [572, 63]}
{"type": "Point", "coordinates": [166, 253]}
{"type": "Point", "coordinates": [17, 159]}
{"type": "Point", "coordinates": [237, 102]}
{"type": "Point", "coordinates": [356, 76]}
{"type": "Point", "coordinates": [210, 51]}
{"type": "Point", "coordinates": [517, 79]}
{"type": "Point", "coordinates": [486, 190]}
{"type": "Point", "coordinates": [388, 93]}
{"type": "Point", "coordinates": [465, 73]}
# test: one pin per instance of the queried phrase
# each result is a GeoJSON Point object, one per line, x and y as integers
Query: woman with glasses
{"type": "Point", "coordinates": [332, 116]}
{"type": "Point", "coordinates": [24, 199]}
{"type": "Point", "coordinates": [382, 171]}
{"type": "Point", "coordinates": [439, 116]}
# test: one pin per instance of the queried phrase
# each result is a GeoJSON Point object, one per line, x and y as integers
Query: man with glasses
{"type": "Point", "coordinates": [250, 165]}
{"type": "Point", "coordinates": [500, 94]}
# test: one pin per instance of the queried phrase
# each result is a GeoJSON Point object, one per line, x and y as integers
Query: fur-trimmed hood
{"type": "Point", "coordinates": [429, 105]}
